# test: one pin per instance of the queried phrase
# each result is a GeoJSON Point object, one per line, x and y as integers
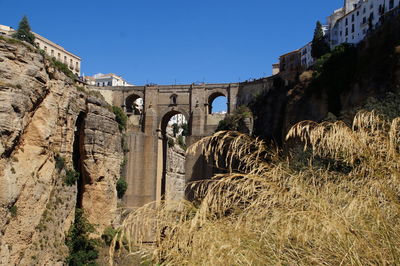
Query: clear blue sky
{"type": "Point", "coordinates": [180, 41]}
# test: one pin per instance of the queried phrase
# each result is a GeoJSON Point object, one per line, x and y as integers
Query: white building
{"type": "Point", "coordinates": [358, 18]}
{"type": "Point", "coordinates": [52, 49]}
{"type": "Point", "coordinates": [6, 30]}
{"type": "Point", "coordinates": [106, 80]}
{"type": "Point", "coordinates": [58, 52]}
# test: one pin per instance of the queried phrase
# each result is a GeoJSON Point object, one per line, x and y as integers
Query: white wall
{"type": "Point", "coordinates": [353, 27]}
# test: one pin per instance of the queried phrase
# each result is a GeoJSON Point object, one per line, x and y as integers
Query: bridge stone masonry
{"type": "Point", "coordinates": [146, 131]}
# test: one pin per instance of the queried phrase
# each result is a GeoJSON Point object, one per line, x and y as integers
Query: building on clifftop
{"type": "Point", "coordinates": [51, 49]}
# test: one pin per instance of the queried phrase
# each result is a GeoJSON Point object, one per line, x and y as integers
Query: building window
{"type": "Point", "coordinates": [52, 52]}
{"type": "Point", "coordinates": [65, 59]}
{"type": "Point", "coordinates": [347, 31]}
{"type": "Point", "coordinates": [347, 22]}
{"type": "Point", "coordinates": [364, 20]}
{"type": "Point", "coordinates": [173, 99]}
{"type": "Point", "coordinates": [352, 18]}
{"type": "Point", "coordinates": [371, 6]}
{"type": "Point", "coordinates": [358, 13]}
{"type": "Point", "coordinates": [364, 10]}
{"type": "Point", "coordinates": [352, 28]}
{"type": "Point", "coordinates": [45, 48]}
{"type": "Point", "coordinates": [59, 56]}
{"type": "Point", "coordinates": [391, 4]}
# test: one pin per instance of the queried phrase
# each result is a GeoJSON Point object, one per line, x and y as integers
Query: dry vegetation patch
{"type": "Point", "coordinates": [340, 207]}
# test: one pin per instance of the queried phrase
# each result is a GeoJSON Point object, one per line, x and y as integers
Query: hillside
{"type": "Point", "coordinates": [340, 82]}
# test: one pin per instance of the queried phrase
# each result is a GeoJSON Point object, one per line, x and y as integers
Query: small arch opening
{"type": "Point", "coordinates": [217, 104]}
{"type": "Point", "coordinates": [134, 104]}
{"type": "Point", "coordinates": [173, 99]}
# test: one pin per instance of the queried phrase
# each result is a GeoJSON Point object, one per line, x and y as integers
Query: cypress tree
{"type": "Point", "coordinates": [319, 44]}
{"type": "Point", "coordinates": [24, 32]}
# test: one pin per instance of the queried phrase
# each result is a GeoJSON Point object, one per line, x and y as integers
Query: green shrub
{"type": "Point", "coordinates": [82, 248]}
{"type": "Point", "coordinates": [60, 162]}
{"type": "Point", "coordinates": [13, 210]}
{"type": "Point", "coordinates": [71, 176]}
{"type": "Point", "coordinates": [120, 117]}
{"type": "Point", "coordinates": [175, 129]}
{"type": "Point", "coordinates": [171, 142]}
{"type": "Point", "coordinates": [235, 121]}
{"type": "Point", "coordinates": [185, 128]}
{"type": "Point", "coordinates": [181, 142]}
{"type": "Point", "coordinates": [122, 186]}
{"type": "Point", "coordinates": [96, 94]}
{"type": "Point", "coordinates": [62, 67]}
{"type": "Point", "coordinates": [108, 235]}
{"type": "Point", "coordinates": [81, 89]}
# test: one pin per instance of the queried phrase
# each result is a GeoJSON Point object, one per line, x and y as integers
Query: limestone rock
{"type": "Point", "coordinates": [39, 111]}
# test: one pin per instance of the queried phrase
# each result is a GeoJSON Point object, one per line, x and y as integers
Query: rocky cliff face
{"type": "Point", "coordinates": [44, 116]}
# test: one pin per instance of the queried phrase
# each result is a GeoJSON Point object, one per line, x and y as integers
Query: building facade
{"type": "Point", "coordinates": [6, 30]}
{"type": "Point", "coordinates": [109, 80]}
{"type": "Point", "coordinates": [59, 53]}
{"type": "Point", "coordinates": [359, 17]}
{"type": "Point", "coordinates": [290, 65]}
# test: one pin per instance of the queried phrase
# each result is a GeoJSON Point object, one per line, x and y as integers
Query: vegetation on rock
{"type": "Point", "coordinates": [235, 121]}
{"type": "Point", "coordinates": [24, 32]}
{"type": "Point", "coordinates": [122, 186]}
{"type": "Point", "coordinates": [82, 248]}
{"type": "Point", "coordinates": [120, 117]}
{"type": "Point", "coordinates": [62, 67]}
{"type": "Point", "coordinates": [108, 235]}
{"type": "Point", "coordinates": [71, 176]}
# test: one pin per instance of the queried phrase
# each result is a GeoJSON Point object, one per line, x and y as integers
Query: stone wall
{"type": "Point", "coordinates": [175, 174]}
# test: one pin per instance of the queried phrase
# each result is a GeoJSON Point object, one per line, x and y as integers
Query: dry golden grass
{"type": "Point", "coordinates": [341, 208]}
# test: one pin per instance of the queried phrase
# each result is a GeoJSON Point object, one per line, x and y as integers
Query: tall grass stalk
{"type": "Point", "coordinates": [342, 207]}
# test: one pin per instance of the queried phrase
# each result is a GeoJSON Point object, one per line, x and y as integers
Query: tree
{"type": "Point", "coordinates": [24, 32]}
{"type": "Point", "coordinates": [319, 44]}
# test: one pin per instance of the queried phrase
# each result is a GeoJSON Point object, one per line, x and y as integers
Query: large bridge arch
{"type": "Point", "coordinates": [167, 113]}
{"type": "Point", "coordinates": [131, 101]}
{"type": "Point", "coordinates": [212, 96]}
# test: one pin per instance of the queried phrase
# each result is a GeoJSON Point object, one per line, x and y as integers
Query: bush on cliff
{"type": "Point", "coordinates": [120, 117]}
{"type": "Point", "coordinates": [235, 121]}
{"type": "Point", "coordinates": [71, 176]}
{"type": "Point", "coordinates": [82, 248]}
{"type": "Point", "coordinates": [122, 186]}
{"type": "Point", "coordinates": [62, 67]}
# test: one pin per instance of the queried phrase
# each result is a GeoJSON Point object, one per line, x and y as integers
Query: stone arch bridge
{"type": "Point", "coordinates": [146, 141]}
